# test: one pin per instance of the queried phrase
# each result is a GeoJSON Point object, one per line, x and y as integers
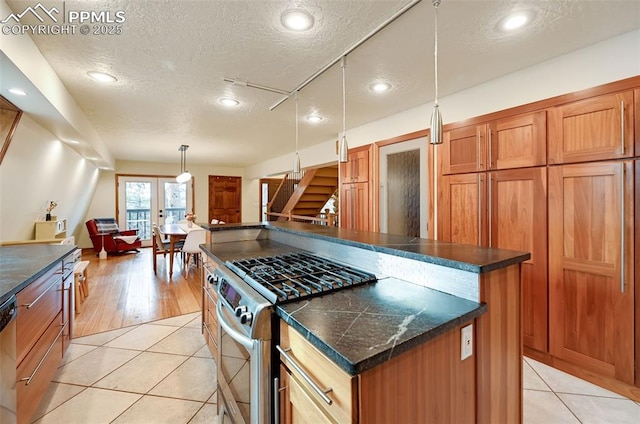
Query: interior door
{"type": "Point", "coordinates": [403, 191]}
{"type": "Point", "coordinates": [143, 201]}
{"type": "Point", "coordinates": [225, 198]}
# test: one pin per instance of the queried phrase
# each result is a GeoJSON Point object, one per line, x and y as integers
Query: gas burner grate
{"type": "Point", "coordinates": [294, 276]}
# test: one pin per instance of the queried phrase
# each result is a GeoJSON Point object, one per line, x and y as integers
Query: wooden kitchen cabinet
{"type": "Point", "coordinates": [428, 383]}
{"type": "Point", "coordinates": [596, 128]}
{"type": "Point", "coordinates": [518, 141]}
{"type": "Point", "coordinates": [465, 149]}
{"type": "Point", "coordinates": [321, 370]}
{"type": "Point", "coordinates": [518, 221]}
{"type": "Point", "coordinates": [209, 301]}
{"type": "Point", "coordinates": [355, 210]}
{"type": "Point", "coordinates": [591, 275]}
{"type": "Point", "coordinates": [41, 327]}
{"type": "Point", "coordinates": [356, 170]}
{"type": "Point", "coordinates": [462, 209]}
{"type": "Point", "coordinates": [355, 190]}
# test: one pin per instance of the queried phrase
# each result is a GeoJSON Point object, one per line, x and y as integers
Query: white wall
{"type": "Point", "coordinates": [611, 60]}
{"type": "Point", "coordinates": [36, 169]}
{"type": "Point", "coordinates": [104, 200]}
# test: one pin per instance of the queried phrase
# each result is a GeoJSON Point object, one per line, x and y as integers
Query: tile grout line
{"type": "Point", "coordinates": [133, 327]}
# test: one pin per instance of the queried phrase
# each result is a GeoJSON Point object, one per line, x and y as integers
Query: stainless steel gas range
{"type": "Point", "coordinates": [248, 289]}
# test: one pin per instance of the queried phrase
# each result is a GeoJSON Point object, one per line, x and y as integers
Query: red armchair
{"type": "Point", "coordinates": [115, 241]}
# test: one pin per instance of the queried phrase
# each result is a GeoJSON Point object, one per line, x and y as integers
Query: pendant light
{"type": "Point", "coordinates": [296, 160]}
{"type": "Point", "coordinates": [184, 174]}
{"type": "Point", "coordinates": [344, 147]}
{"type": "Point", "coordinates": [435, 135]}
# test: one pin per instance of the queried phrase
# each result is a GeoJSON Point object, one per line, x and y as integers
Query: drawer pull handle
{"type": "Point", "coordinates": [37, 299]}
{"type": "Point", "coordinates": [27, 380]}
{"type": "Point", "coordinates": [305, 376]}
{"type": "Point", "coordinates": [622, 125]}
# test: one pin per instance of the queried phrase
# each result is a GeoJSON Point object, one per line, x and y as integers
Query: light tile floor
{"type": "Point", "coordinates": [162, 372]}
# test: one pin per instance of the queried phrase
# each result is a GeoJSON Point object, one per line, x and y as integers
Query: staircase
{"type": "Point", "coordinates": [312, 193]}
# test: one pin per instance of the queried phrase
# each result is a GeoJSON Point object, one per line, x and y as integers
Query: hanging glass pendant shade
{"type": "Point", "coordinates": [184, 174]}
{"type": "Point", "coordinates": [435, 135]}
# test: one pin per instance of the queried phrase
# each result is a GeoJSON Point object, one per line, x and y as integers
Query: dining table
{"type": "Point", "coordinates": [175, 232]}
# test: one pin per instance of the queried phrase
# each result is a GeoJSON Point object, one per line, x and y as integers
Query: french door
{"type": "Point", "coordinates": [143, 201]}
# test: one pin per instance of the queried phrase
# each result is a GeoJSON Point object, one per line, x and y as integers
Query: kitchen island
{"type": "Point", "coordinates": [426, 292]}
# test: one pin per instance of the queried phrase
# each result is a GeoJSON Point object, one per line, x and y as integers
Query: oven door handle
{"type": "Point", "coordinates": [245, 341]}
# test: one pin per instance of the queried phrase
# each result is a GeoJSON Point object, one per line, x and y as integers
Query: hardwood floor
{"type": "Point", "coordinates": [124, 291]}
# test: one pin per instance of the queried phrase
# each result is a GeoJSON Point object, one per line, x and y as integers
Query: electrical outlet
{"type": "Point", "coordinates": [466, 348]}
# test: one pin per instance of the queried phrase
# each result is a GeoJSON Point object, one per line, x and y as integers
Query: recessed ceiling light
{"type": "Point", "coordinates": [380, 87]}
{"type": "Point", "coordinates": [18, 91]}
{"type": "Point", "coordinates": [296, 19]}
{"type": "Point", "coordinates": [73, 142]}
{"type": "Point", "coordinates": [101, 77]}
{"type": "Point", "coordinates": [228, 101]}
{"type": "Point", "coordinates": [515, 21]}
{"type": "Point", "coordinates": [314, 118]}
{"type": "Point", "coordinates": [92, 158]}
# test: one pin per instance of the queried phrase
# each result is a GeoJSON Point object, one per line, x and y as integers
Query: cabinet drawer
{"type": "Point", "coordinates": [38, 368]}
{"type": "Point", "coordinates": [323, 372]}
{"type": "Point", "coordinates": [38, 305]}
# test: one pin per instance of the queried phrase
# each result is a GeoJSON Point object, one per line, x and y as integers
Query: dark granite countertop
{"type": "Point", "coordinates": [22, 264]}
{"type": "Point", "coordinates": [362, 327]}
{"type": "Point", "coordinates": [453, 255]}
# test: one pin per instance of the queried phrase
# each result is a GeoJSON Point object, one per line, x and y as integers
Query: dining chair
{"type": "Point", "coordinates": [191, 247]}
{"type": "Point", "coordinates": [162, 247]}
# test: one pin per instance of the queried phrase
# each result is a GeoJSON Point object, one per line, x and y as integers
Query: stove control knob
{"type": "Point", "coordinates": [246, 318]}
{"type": "Point", "coordinates": [242, 309]}
{"type": "Point", "coordinates": [212, 279]}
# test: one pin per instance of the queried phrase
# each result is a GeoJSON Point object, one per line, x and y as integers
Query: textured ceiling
{"type": "Point", "coordinates": [172, 56]}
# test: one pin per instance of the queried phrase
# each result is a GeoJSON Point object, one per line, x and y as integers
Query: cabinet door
{"type": "Point", "coordinates": [518, 141]}
{"type": "Point", "coordinates": [462, 216]}
{"type": "Point", "coordinates": [592, 129]}
{"type": "Point", "coordinates": [464, 150]}
{"type": "Point", "coordinates": [518, 213]}
{"type": "Point", "coordinates": [591, 290]}
{"type": "Point", "coordinates": [357, 168]}
{"type": "Point", "coordinates": [355, 207]}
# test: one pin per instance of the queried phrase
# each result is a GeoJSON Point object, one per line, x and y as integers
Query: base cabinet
{"type": "Point", "coordinates": [209, 301]}
{"type": "Point", "coordinates": [42, 334]}
{"type": "Point", "coordinates": [426, 384]}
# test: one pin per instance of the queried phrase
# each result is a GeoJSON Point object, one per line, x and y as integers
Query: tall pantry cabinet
{"type": "Point", "coordinates": [559, 178]}
{"type": "Point", "coordinates": [355, 190]}
{"type": "Point", "coordinates": [591, 212]}
{"type": "Point", "coordinates": [503, 203]}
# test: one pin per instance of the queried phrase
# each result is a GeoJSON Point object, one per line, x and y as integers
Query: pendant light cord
{"type": "Point", "coordinates": [296, 97]}
{"type": "Point", "coordinates": [344, 97]}
{"type": "Point", "coordinates": [436, 3]}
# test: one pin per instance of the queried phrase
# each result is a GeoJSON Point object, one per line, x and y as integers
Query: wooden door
{"type": "Point", "coordinates": [225, 198]}
{"type": "Point", "coordinates": [597, 128]}
{"type": "Point", "coordinates": [464, 150]}
{"type": "Point", "coordinates": [591, 290]}
{"type": "Point", "coordinates": [354, 207]}
{"type": "Point", "coordinates": [462, 216]}
{"type": "Point", "coordinates": [518, 141]}
{"type": "Point", "coordinates": [518, 214]}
